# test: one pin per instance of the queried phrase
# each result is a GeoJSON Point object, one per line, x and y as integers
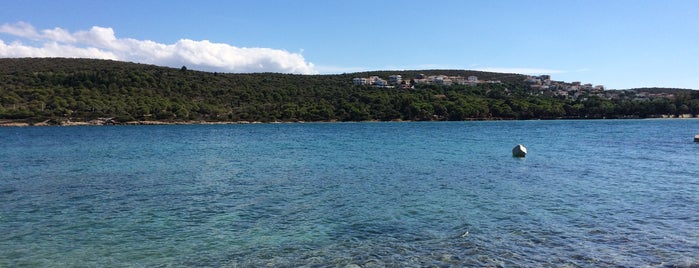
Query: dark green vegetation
{"type": "Point", "coordinates": [40, 89]}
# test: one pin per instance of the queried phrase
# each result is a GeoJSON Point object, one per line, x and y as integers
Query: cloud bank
{"type": "Point", "coordinates": [102, 43]}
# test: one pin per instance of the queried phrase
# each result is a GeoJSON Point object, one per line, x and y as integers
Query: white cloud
{"type": "Point", "coordinates": [102, 43]}
{"type": "Point", "coordinates": [59, 35]}
{"type": "Point", "coordinates": [52, 49]}
{"type": "Point", "coordinates": [21, 29]}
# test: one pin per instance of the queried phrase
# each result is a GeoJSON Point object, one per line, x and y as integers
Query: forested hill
{"type": "Point", "coordinates": [59, 89]}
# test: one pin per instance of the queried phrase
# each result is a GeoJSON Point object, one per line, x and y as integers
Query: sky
{"type": "Point", "coordinates": [616, 43]}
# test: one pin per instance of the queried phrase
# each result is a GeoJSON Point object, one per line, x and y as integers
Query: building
{"type": "Point", "coordinates": [532, 80]}
{"type": "Point", "coordinates": [441, 80]}
{"type": "Point", "coordinates": [459, 80]}
{"type": "Point", "coordinates": [358, 81]}
{"type": "Point", "coordinates": [380, 83]}
{"type": "Point", "coordinates": [395, 79]}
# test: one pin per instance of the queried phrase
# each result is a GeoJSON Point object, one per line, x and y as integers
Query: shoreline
{"type": "Point", "coordinates": [13, 123]}
{"type": "Point", "coordinates": [111, 122]}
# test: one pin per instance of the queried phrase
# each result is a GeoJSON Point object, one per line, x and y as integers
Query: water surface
{"type": "Point", "coordinates": [590, 194]}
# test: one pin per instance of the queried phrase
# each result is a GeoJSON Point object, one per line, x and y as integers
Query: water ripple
{"type": "Point", "coordinates": [589, 194]}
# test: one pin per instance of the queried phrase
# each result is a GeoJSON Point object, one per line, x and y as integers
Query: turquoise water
{"type": "Point", "coordinates": [589, 194]}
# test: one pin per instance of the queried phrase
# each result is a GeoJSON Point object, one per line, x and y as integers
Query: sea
{"type": "Point", "coordinates": [589, 193]}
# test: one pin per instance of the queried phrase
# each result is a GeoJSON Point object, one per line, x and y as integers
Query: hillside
{"type": "Point", "coordinates": [58, 89]}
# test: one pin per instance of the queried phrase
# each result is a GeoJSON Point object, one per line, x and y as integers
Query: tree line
{"type": "Point", "coordinates": [56, 89]}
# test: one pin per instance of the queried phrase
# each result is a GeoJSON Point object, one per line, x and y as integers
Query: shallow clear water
{"type": "Point", "coordinates": [590, 194]}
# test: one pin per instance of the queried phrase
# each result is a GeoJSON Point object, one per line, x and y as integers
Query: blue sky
{"type": "Point", "coordinates": [616, 43]}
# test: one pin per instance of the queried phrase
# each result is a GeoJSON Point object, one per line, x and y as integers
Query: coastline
{"type": "Point", "coordinates": [112, 122]}
{"type": "Point", "coordinates": [109, 122]}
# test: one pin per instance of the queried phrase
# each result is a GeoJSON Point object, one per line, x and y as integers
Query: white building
{"type": "Point", "coordinates": [395, 79]}
{"type": "Point", "coordinates": [380, 83]}
{"type": "Point", "coordinates": [360, 81]}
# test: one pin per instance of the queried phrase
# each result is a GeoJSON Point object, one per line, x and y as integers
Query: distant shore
{"type": "Point", "coordinates": [67, 123]}
{"type": "Point", "coordinates": [111, 122]}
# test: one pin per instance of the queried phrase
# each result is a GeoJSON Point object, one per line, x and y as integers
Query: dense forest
{"type": "Point", "coordinates": [57, 89]}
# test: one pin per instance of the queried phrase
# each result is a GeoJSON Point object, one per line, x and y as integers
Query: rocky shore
{"type": "Point", "coordinates": [111, 122]}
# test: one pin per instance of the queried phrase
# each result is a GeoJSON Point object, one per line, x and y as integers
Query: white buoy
{"type": "Point", "coordinates": [519, 151]}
